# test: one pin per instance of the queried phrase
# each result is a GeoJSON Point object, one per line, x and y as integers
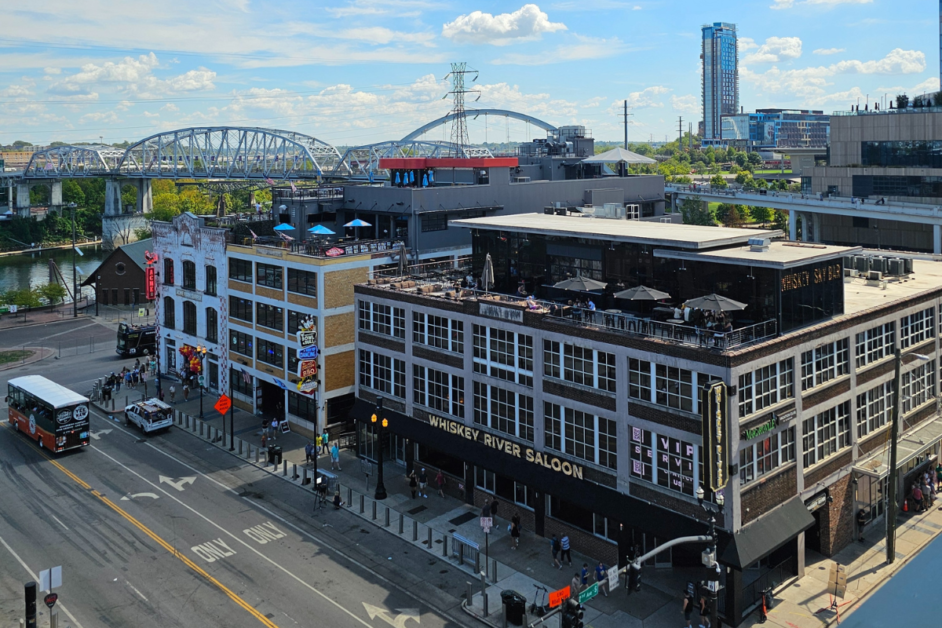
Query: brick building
{"type": "Point", "coordinates": [586, 420]}
{"type": "Point", "coordinates": [119, 279]}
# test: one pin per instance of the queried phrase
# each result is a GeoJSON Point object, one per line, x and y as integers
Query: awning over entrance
{"type": "Point", "coordinates": [910, 445]}
{"type": "Point", "coordinates": [770, 532]}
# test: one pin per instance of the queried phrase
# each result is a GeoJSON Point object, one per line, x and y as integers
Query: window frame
{"type": "Point", "coordinates": [262, 346]}
{"type": "Point", "coordinates": [241, 270]}
{"type": "Point", "coordinates": [269, 276]}
{"type": "Point", "coordinates": [307, 287]}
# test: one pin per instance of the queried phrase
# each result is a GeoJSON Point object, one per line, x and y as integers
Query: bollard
{"type": "Point", "coordinates": [284, 468]}
{"type": "Point", "coordinates": [402, 521]}
{"type": "Point", "coordinates": [430, 538]}
{"type": "Point", "coordinates": [415, 530]}
{"type": "Point", "coordinates": [240, 446]}
{"type": "Point", "coordinates": [374, 510]}
{"type": "Point", "coordinates": [362, 504]}
{"type": "Point", "coordinates": [112, 404]}
{"type": "Point", "coordinates": [349, 495]}
{"type": "Point", "coordinates": [304, 479]}
{"type": "Point", "coordinates": [484, 593]}
{"type": "Point", "coordinates": [201, 427]}
{"type": "Point", "coordinates": [445, 545]}
{"type": "Point", "coordinates": [294, 470]}
{"type": "Point", "coordinates": [470, 594]}
{"type": "Point", "coordinates": [54, 620]}
{"type": "Point", "coordinates": [494, 570]}
{"type": "Point", "coordinates": [257, 450]}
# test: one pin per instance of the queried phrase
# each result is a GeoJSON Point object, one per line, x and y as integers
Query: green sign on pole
{"type": "Point", "coordinates": [589, 593]}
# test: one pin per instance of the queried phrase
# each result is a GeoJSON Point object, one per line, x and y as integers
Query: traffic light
{"type": "Point", "coordinates": [578, 613]}
{"type": "Point", "coordinates": [634, 578]}
{"type": "Point", "coordinates": [565, 617]}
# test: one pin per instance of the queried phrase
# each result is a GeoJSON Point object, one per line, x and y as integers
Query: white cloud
{"type": "Point", "coordinates": [747, 43]}
{"type": "Point", "coordinates": [16, 91]}
{"type": "Point", "coordinates": [49, 70]}
{"type": "Point", "coordinates": [130, 75]}
{"type": "Point", "coordinates": [170, 107]}
{"type": "Point", "coordinates": [583, 48]}
{"type": "Point", "coordinates": [687, 104]}
{"type": "Point", "coordinates": [148, 114]}
{"type": "Point", "coordinates": [828, 51]}
{"type": "Point", "coordinates": [105, 117]}
{"type": "Point", "coordinates": [774, 50]}
{"type": "Point", "coordinates": [525, 24]}
{"type": "Point", "coordinates": [647, 98]}
{"type": "Point", "coordinates": [898, 61]}
{"type": "Point", "coordinates": [381, 7]}
{"type": "Point", "coordinates": [788, 4]}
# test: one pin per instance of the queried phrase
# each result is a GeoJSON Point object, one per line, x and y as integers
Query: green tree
{"type": "Point", "coordinates": [72, 193]}
{"type": "Point", "coordinates": [754, 159]}
{"type": "Point", "coordinates": [143, 233]}
{"type": "Point", "coordinates": [128, 197]}
{"type": "Point", "coordinates": [166, 206]}
{"type": "Point", "coordinates": [21, 144]}
{"type": "Point", "coordinates": [743, 176]}
{"type": "Point", "coordinates": [696, 212]}
{"type": "Point", "coordinates": [762, 184]}
{"type": "Point", "coordinates": [717, 181]}
{"type": "Point", "coordinates": [27, 298]}
{"type": "Point", "coordinates": [735, 217]}
{"type": "Point", "coordinates": [780, 220]}
{"type": "Point", "coordinates": [741, 160]}
{"type": "Point", "coordinates": [760, 214]}
{"type": "Point", "coordinates": [53, 292]}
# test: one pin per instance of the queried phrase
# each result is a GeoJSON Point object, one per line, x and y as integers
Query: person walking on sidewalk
{"type": "Point", "coordinates": [574, 587]}
{"type": "Point", "coordinates": [564, 544]}
{"type": "Point", "coordinates": [486, 509]}
{"type": "Point", "coordinates": [423, 484]}
{"type": "Point", "coordinates": [412, 482]}
{"type": "Point", "coordinates": [186, 391]}
{"type": "Point", "coordinates": [274, 428]}
{"type": "Point", "coordinates": [264, 440]}
{"type": "Point", "coordinates": [554, 547]}
{"type": "Point", "coordinates": [704, 611]}
{"type": "Point", "coordinates": [334, 456]}
{"type": "Point", "coordinates": [173, 392]}
{"type": "Point", "coordinates": [688, 607]}
{"type": "Point", "coordinates": [494, 505]}
{"type": "Point", "coordinates": [601, 576]}
{"type": "Point", "coordinates": [440, 482]}
{"type": "Point", "coordinates": [584, 576]}
{"type": "Point", "coordinates": [515, 531]}
{"type": "Point", "coordinates": [324, 443]}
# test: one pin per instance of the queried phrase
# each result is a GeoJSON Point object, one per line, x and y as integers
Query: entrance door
{"type": "Point", "coordinates": [399, 450]}
{"type": "Point", "coordinates": [367, 440]}
{"type": "Point", "coordinates": [813, 535]}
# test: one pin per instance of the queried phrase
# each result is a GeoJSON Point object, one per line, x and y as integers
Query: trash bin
{"type": "Point", "coordinates": [277, 450]}
{"type": "Point", "coordinates": [271, 454]}
{"type": "Point", "coordinates": [515, 606]}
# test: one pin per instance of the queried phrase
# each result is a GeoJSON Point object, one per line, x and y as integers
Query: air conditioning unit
{"type": "Point", "coordinates": [896, 266]}
{"type": "Point", "coordinates": [875, 275]}
{"type": "Point", "coordinates": [851, 272]}
{"type": "Point", "coordinates": [759, 244]}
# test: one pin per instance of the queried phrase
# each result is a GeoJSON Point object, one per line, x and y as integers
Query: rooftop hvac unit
{"type": "Point", "coordinates": [849, 261]}
{"type": "Point", "coordinates": [874, 275]}
{"type": "Point", "coordinates": [908, 265]}
{"type": "Point", "coordinates": [560, 211]}
{"type": "Point", "coordinates": [549, 209]}
{"type": "Point", "coordinates": [862, 264]}
{"type": "Point", "coordinates": [878, 263]}
{"type": "Point", "coordinates": [851, 272]}
{"type": "Point", "coordinates": [759, 244]}
{"type": "Point", "coordinates": [895, 266]}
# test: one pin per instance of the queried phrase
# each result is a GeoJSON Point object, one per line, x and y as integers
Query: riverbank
{"type": "Point", "coordinates": [52, 247]}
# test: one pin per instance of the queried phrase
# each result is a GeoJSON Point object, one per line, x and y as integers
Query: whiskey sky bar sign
{"type": "Point", "coordinates": [508, 447]}
{"type": "Point", "coordinates": [713, 403]}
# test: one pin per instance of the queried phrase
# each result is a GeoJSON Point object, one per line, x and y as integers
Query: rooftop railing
{"type": "Point", "coordinates": [326, 250]}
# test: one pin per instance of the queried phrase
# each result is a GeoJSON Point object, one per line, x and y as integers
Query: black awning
{"type": "Point", "coordinates": [771, 531]}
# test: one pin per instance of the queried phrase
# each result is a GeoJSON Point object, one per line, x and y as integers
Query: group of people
{"type": "Point", "coordinates": [693, 602]}
{"type": "Point", "coordinates": [924, 489]}
{"type": "Point", "coordinates": [580, 580]}
{"type": "Point", "coordinates": [420, 481]}
{"type": "Point", "coordinates": [322, 445]}
{"type": "Point", "coordinates": [128, 377]}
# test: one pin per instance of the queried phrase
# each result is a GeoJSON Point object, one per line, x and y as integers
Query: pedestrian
{"type": "Point", "coordinates": [186, 391]}
{"type": "Point", "coordinates": [137, 364]}
{"type": "Point", "coordinates": [135, 376]}
{"type": "Point", "coordinates": [584, 576]}
{"type": "Point", "coordinates": [335, 457]}
{"type": "Point", "coordinates": [494, 505]}
{"type": "Point", "coordinates": [440, 482]}
{"type": "Point", "coordinates": [127, 380]}
{"type": "Point", "coordinates": [917, 497]}
{"type": "Point", "coordinates": [601, 577]}
{"type": "Point", "coordinates": [309, 453]}
{"type": "Point", "coordinates": [554, 547]}
{"type": "Point", "coordinates": [688, 607]}
{"type": "Point", "coordinates": [173, 392]}
{"type": "Point", "coordinates": [274, 428]}
{"type": "Point", "coordinates": [575, 587]}
{"type": "Point", "coordinates": [704, 612]}
{"type": "Point", "coordinates": [564, 544]}
{"type": "Point", "coordinates": [423, 483]}
{"type": "Point", "coordinates": [486, 509]}
{"type": "Point", "coordinates": [264, 440]}
{"type": "Point", "coordinates": [117, 382]}
{"type": "Point", "coordinates": [515, 530]}
{"type": "Point", "coordinates": [325, 442]}
{"type": "Point", "coordinates": [412, 483]}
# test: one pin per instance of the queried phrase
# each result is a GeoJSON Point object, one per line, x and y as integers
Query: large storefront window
{"type": "Point", "coordinates": [667, 462]}
{"type": "Point", "coordinates": [870, 185]}
{"type": "Point", "coordinates": [902, 154]}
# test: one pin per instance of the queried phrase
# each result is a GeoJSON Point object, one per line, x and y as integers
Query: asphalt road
{"type": "Point", "coordinates": [166, 530]}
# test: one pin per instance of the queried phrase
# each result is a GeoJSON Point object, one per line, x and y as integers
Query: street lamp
{"type": "Point", "coordinates": [380, 430]}
{"type": "Point", "coordinates": [201, 352]}
{"type": "Point", "coordinates": [74, 279]}
{"type": "Point", "coordinates": [894, 436]}
{"type": "Point", "coordinates": [97, 293]}
{"type": "Point", "coordinates": [709, 559]}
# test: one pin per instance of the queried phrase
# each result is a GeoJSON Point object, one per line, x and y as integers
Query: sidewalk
{"type": "Point", "coordinates": [656, 606]}
{"type": "Point", "coordinates": [42, 317]}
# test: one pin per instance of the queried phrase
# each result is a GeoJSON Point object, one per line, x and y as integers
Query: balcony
{"type": "Point", "coordinates": [325, 249]}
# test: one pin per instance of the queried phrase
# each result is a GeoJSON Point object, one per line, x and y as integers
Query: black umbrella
{"type": "Point", "coordinates": [641, 293]}
{"type": "Point", "coordinates": [580, 284]}
{"type": "Point", "coordinates": [716, 303]}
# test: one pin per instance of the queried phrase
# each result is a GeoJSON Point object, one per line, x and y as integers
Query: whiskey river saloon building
{"type": "Point", "coordinates": [590, 419]}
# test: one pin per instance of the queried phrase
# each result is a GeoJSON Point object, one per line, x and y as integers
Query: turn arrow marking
{"type": "Point", "coordinates": [177, 484]}
{"type": "Point", "coordinates": [97, 435]}
{"type": "Point", "coordinates": [405, 614]}
{"type": "Point", "coordinates": [136, 495]}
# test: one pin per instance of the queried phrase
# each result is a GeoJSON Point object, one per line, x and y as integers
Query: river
{"type": "Point", "coordinates": [19, 271]}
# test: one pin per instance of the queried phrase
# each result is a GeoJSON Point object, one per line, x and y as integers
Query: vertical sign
{"type": "Point", "coordinates": [713, 404]}
{"type": "Point", "coordinates": [150, 276]}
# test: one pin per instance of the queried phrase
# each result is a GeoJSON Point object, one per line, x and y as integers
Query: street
{"type": "Point", "coordinates": [166, 530]}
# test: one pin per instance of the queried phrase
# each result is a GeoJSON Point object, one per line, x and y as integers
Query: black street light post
{"type": "Point", "coordinates": [74, 277]}
{"type": "Point", "coordinates": [201, 351]}
{"type": "Point", "coordinates": [97, 293]}
{"type": "Point", "coordinates": [380, 424]}
{"type": "Point", "coordinates": [710, 553]}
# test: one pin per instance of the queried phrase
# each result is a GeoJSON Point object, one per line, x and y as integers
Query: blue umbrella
{"type": "Point", "coordinates": [431, 176]}
{"type": "Point", "coordinates": [358, 223]}
{"type": "Point", "coordinates": [371, 176]}
{"type": "Point", "coordinates": [320, 230]}
{"type": "Point", "coordinates": [424, 181]}
{"type": "Point", "coordinates": [411, 176]}
{"type": "Point", "coordinates": [284, 227]}
{"type": "Point", "coordinates": [397, 178]}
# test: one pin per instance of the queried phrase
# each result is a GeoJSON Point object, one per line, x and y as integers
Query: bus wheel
{"type": "Point", "coordinates": [146, 351]}
{"type": "Point", "coordinates": [16, 426]}
{"type": "Point", "coordinates": [40, 442]}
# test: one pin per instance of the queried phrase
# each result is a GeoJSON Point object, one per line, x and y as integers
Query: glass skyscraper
{"type": "Point", "coordinates": [720, 76]}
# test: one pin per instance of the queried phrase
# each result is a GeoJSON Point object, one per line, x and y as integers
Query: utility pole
{"type": "Point", "coordinates": [690, 136]}
{"type": "Point", "coordinates": [624, 116]}
{"type": "Point", "coordinates": [680, 133]}
{"type": "Point", "coordinates": [74, 278]}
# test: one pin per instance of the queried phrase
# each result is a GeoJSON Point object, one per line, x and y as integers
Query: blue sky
{"type": "Point", "coordinates": [360, 71]}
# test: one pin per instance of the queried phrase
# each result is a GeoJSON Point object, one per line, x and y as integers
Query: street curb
{"type": "Point", "coordinates": [60, 320]}
{"type": "Point", "coordinates": [38, 357]}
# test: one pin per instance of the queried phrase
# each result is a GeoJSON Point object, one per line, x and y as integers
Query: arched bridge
{"type": "Point", "coordinates": [474, 113]}
{"type": "Point", "coordinates": [362, 161]}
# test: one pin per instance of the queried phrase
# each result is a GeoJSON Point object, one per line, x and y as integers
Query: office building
{"type": "Point", "coordinates": [720, 58]}
{"type": "Point", "coordinates": [776, 129]}
{"type": "Point", "coordinates": [585, 420]}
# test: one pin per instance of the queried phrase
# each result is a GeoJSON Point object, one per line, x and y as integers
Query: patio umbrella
{"type": "Point", "coordinates": [356, 223]}
{"type": "Point", "coordinates": [716, 303]}
{"type": "Point", "coordinates": [320, 230]}
{"type": "Point", "coordinates": [431, 176]}
{"type": "Point", "coordinates": [424, 180]}
{"type": "Point", "coordinates": [641, 293]}
{"type": "Point", "coordinates": [402, 268]}
{"type": "Point", "coordinates": [397, 178]}
{"type": "Point", "coordinates": [284, 227]}
{"type": "Point", "coordinates": [580, 284]}
{"type": "Point", "coordinates": [487, 276]}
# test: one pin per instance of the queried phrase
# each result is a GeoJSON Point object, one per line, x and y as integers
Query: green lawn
{"type": "Point", "coordinates": [8, 357]}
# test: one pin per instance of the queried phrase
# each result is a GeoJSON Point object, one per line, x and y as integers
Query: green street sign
{"type": "Point", "coordinates": [589, 593]}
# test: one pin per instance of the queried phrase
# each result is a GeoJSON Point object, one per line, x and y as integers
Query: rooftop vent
{"type": "Point", "coordinates": [759, 245]}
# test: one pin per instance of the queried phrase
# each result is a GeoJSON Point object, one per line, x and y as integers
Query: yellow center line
{"type": "Point", "coordinates": [167, 546]}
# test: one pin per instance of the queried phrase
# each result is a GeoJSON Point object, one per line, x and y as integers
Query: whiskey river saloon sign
{"type": "Point", "coordinates": [508, 447]}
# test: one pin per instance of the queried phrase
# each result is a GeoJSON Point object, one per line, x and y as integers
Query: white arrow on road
{"type": "Point", "coordinates": [97, 435]}
{"type": "Point", "coordinates": [177, 484]}
{"type": "Point", "coordinates": [136, 495]}
{"type": "Point", "coordinates": [405, 614]}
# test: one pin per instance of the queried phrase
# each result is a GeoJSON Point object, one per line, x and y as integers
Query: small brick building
{"type": "Point", "coordinates": [119, 279]}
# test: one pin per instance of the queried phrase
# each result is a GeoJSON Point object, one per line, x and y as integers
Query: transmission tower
{"type": "Point", "coordinates": [459, 124]}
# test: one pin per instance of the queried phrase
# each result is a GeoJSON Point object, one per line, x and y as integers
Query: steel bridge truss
{"type": "Point", "coordinates": [74, 162]}
{"type": "Point", "coordinates": [364, 160]}
{"type": "Point", "coordinates": [230, 153]}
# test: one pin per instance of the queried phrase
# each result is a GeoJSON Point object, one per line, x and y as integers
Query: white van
{"type": "Point", "coordinates": [150, 415]}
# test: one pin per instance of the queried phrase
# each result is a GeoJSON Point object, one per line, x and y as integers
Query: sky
{"type": "Point", "coordinates": [353, 72]}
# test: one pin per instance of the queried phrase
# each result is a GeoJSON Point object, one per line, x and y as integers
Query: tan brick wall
{"type": "Point", "coordinates": [339, 370]}
{"type": "Point", "coordinates": [302, 300]}
{"type": "Point", "coordinates": [270, 293]}
{"type": "Point", "coordinates": [242, 405]}
{"type": "Point", "coordinates": [338, 330]}
{"type": "Point", "coordinates": [240, 286]}
{"type": "Point", "coordinates": [240, 359]}
{"type": "Point", "coordinates": [235, 321]}
{"type": "Point", "coordinates": [271, 370]}
{"type": "Point", "coordinates": [338, 285]}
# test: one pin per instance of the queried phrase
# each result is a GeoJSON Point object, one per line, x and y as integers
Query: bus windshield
{"type": "Point", "coordinates": [49, 413]}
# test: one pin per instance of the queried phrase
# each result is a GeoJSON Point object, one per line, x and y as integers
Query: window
{"type": "Point", "coordinates": [294, 320]}
{"type": "Point", "coordinates": [212, 325]}
{"type": "Point", "coordinates": [873, 408]}
{"type": "Point", "coordinates": [574, 433]}
{"type": "Point", "coordinates": [302, 282]}
{"type": "Point", "coordinates": [211, 280]}
{"type": "Point", "coordinates": [269, 276]}
{"type": "Point", "coordinates": [580, 434]}
{"type": "Point", "coordinates": [240, 269]}
{"type": "Point", "coordinates": [240, 342]}
{"type": "Point", "coordinates": [189, 275]}
{"type": "Point", "coordinates": [238, 383]}
{"type": "Point", "coordinates": [824, 363]}
{"type": "Point", "coordinates": [434, 223]}
{"type": "Point", "coordinates": [270, 353]}
{"type": "Point", "coordinates": [825, 434]}
{"type": "Point", "coordinates": [918, 386]}
{"type": "Point", "coordinates": [875, 344]}
{"type": "Point", "coordinates": [382, 319]}
{"type": "Point", "coordinates": [579, 365]}
{"type": "Point", "coordinates": [673, 387]}
{"type": "Point", "coordinates": [240, 309]}
{"type": "Point", "coordinates": [674, 466]}
{"type": "Point", "coordinates": [269, 316]}
{"type": "Point", "coordinates": [765, 387]}
{"type": "Point", "coordinates": [769, 453]}
{"type": "Point", "coordinates": [608, 443]}
{"type": "Point", "coordinates": [302, 406]}
{"type": "Point", "coordinates": [503, 354]}
{"type": "Point", "coordinates": [383, 374]}
{"type": "Point", "coordinates": [916, 328]}
{"type": "Point", "coordinates": [639, 379]}
{"type": "Point", "coordinates": [902, 153]}
{"type": "Point", "coordinates": [503, 410]}
{"type": "Point", "coordinates": [438, 332]}
{"type": "Point", "coordinates": [168, 272]}
{"type": "Point", "coordinates": [293, 360]}
{"type": "Point", "coordinates": [170, 313]}
{"type": "Point", "coordinates": [189, 318]}
{"type": "Point", "coordinates": [552, 426]}
{"type": "Point", "coordinates": [438, 390]}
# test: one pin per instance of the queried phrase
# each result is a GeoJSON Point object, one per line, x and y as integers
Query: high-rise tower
{"type": "Point", "coordinates": [720, 76]}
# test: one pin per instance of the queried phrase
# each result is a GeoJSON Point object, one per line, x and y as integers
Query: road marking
{"type": "Point", "coordinates": [213, 550]}
{"type": "Point", "coordinates": [264, 533]}
{"type": "Point", "coordinates": [36, 579]}
{"type": "Point", "coordinates": [177, 484]}
{"type": "Point", "coordinates": [399, 621]}
{"type": "Point", "coordinates": [59, 522]}
{"type": "Point", "coordinates": [133, 588]}
{"type": "Point", "coordinates": [136, 495]}
{"type": "Point", "coordinates": [97, 435]}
